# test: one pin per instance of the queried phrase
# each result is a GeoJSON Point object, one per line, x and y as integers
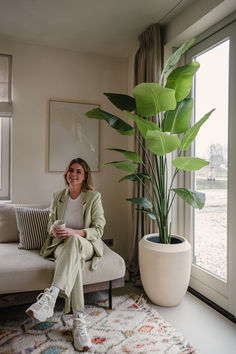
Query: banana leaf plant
{"type": "Point", "coordinates": [172, 108]}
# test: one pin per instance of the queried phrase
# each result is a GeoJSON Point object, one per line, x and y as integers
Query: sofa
{"type": "Point", "coordinates": [24, 273]}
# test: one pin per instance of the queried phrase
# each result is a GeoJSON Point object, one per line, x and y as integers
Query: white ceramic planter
{"type": "Point", "coordinates": [165, 270]}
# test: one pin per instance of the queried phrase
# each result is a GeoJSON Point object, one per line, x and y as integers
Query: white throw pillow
{"type": "Point", "coordinates": [32, 226]}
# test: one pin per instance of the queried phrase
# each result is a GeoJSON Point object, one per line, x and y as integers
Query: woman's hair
{"type": "Point", "coordinates": [87, 183]}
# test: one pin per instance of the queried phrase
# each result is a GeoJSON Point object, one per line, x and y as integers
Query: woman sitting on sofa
{"type": "Point", "coordinates": [80, 240]}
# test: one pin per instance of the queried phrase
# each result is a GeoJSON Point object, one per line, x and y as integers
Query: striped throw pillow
{"type": "Point", "coordinates": [32, 226]}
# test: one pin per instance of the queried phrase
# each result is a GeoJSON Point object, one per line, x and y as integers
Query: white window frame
{"type": "Point", "coordinates": [5, 138]}
{"type": "Point", "coordinates": [220, 292]}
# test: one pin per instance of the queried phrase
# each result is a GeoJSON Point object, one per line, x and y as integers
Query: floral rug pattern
{"type": "Point", "coordinates": [131, 327]}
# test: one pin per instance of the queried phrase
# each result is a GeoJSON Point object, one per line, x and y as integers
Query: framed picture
{"type": "Point", "coordinates": [72, 134]}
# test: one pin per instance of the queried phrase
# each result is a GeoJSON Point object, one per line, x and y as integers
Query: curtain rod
{"type": "Point", "coordinates": [170, 11]}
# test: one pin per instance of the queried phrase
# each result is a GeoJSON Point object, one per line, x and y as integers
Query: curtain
{"type": "Point", "coordinates": [147, 68]}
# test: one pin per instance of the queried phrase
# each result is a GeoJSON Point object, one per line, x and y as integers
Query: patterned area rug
{"type": "Point", "coordinates": [131, 327]}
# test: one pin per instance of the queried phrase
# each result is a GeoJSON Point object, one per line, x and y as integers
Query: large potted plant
{"type": "Point", "coordinates": [164, 259]}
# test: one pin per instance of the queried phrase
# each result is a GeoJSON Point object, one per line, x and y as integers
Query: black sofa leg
{"type": "Point", "coordinates": [110, 295]}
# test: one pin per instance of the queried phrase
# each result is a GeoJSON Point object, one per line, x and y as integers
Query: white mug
{"type": "Point", "coordinates": [59, 224]}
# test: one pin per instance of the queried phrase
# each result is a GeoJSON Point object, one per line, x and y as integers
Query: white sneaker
{"type": "Point", "coordinates": [43, 308]}
{"type": "Point", "coordinates": [82, 341]}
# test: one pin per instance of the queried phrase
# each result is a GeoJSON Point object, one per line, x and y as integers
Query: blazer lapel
{"type": "Point", "coordinates": [84, 202]}
{"type": "Point", "coordinates": [62, 203]}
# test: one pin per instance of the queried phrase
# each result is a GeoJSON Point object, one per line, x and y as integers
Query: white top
{"type": "Point", "coordinates": [73, 214]}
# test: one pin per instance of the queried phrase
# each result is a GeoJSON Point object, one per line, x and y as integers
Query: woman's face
{"type": "Point", "coordinates": [75, 175]}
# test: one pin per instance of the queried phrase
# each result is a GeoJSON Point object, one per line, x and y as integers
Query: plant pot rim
{"type": "Point", "coordinates": [177, 247]}
{"type": "Point", "coordinates": [178, 237]}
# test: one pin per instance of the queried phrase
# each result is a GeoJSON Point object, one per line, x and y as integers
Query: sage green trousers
{"type": "Point", "coordinates": [70, 256]}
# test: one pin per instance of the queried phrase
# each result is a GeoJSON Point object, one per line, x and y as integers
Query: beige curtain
{"type": "Point", "coordinates": [147, 68]}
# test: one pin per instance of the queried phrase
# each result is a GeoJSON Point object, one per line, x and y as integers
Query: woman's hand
{"type": "Point", "coordinates": [63, 233]}
{"type": "Point", "coordinates": [66, 232]}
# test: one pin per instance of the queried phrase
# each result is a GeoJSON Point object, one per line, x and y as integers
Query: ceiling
{"type": "Point", "coordinates": [107, 27]}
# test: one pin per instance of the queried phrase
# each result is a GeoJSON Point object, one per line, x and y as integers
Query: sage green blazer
{"type": "Point", "coordinates": [93, 219]}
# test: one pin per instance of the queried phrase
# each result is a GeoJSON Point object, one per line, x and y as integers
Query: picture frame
{"type": "Point", "coordinates": [72, 134]}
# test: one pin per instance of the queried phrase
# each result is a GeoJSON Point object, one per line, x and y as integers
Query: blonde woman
{"type": "Point", "coordinates": [80, 240]}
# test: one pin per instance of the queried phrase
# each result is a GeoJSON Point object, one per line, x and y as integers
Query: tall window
{"type": "Point", "coordinates": [213, 227]}
{"type": "Point", "coordinates": [210, 223]}
{"type": "Point", "coordinates": [5, 123]}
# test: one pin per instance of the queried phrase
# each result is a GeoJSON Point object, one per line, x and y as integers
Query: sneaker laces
{"type": "Point", "coordinates": [44, 298]}
{"type": "Point", "coordinates": [81, 326]}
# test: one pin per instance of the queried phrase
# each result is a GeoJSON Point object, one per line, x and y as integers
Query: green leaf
{"type": "Point", "coordinates": [149, 213]}
{"type": "Point", "coordinates": [126, 132]}
{"type": "Point", "coordinates": [177, 121]}
{"type": "Point", "coordinates": [123, 102]}
{"type": "Point", "coordinates": [135, 177]}
{"type": "Point", "coordinates": [195, 199]}
{"type": "Point", "coordinates": [128, 154]}
{"type": "Point", "coordinates": [143, 124]}
{"type": "Point", "coordinates": [143, 202]}
{"type": "Point", "coordinates": [123, 165]}
{"type": "Point", "coordinates": [180, 80]}
{"type": "Point", "coordinates": [152, 99]}
{"type": "Point", "coordinates": [161, 143]}
{"type": "Point", "coordinates": [115, 122]}
{"type": "Point", "coordinates": [95, 113]}
{"type": "Point", "coordinates": [191, 134]}
{"type": "Point", "coordinates": [189, 163]}
{"type": "Point", "coordinates": [174, 58]}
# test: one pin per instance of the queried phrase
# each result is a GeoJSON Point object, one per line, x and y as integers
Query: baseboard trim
{"type": "Point", "coordinates": [212, 304]}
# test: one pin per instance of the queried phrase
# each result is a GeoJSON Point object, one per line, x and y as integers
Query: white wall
{"type": "Point", "coordinates": [41, 73]}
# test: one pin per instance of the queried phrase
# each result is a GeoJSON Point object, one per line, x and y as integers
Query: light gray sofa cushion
{"type": "Point", "coordinates": [8, 226]}
{"type": "Point", "coordinates": [26, 270]}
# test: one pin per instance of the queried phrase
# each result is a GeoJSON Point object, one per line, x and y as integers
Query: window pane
{"type": "Point", "coordinates": [4, 78]}
{"type": "Point", "coordinates": [5, 124]}
{"type": "Point", "coordinates": [210, 223]}
{"type": "Point", "coordinates": [5, 134]}
{"type": "Point", "coordinates": [1, 152]}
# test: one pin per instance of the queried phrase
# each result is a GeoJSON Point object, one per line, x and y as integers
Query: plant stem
{"type": "Point", "coordinates": [166, 194]}
{"type": "Point", "coordinates": [172, 200]}
{"type": "Point", "coordinates": [171, 184]}
{"type": "Point", "coordinates": [149, 193]}
{"type": "Point", "coordinates": [164, 236]}
{"type": "Point", "coordinates": [152, 170]}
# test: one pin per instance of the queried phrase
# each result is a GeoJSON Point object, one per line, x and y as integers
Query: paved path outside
{"type": "Point", "coordinates": [211, 233]}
